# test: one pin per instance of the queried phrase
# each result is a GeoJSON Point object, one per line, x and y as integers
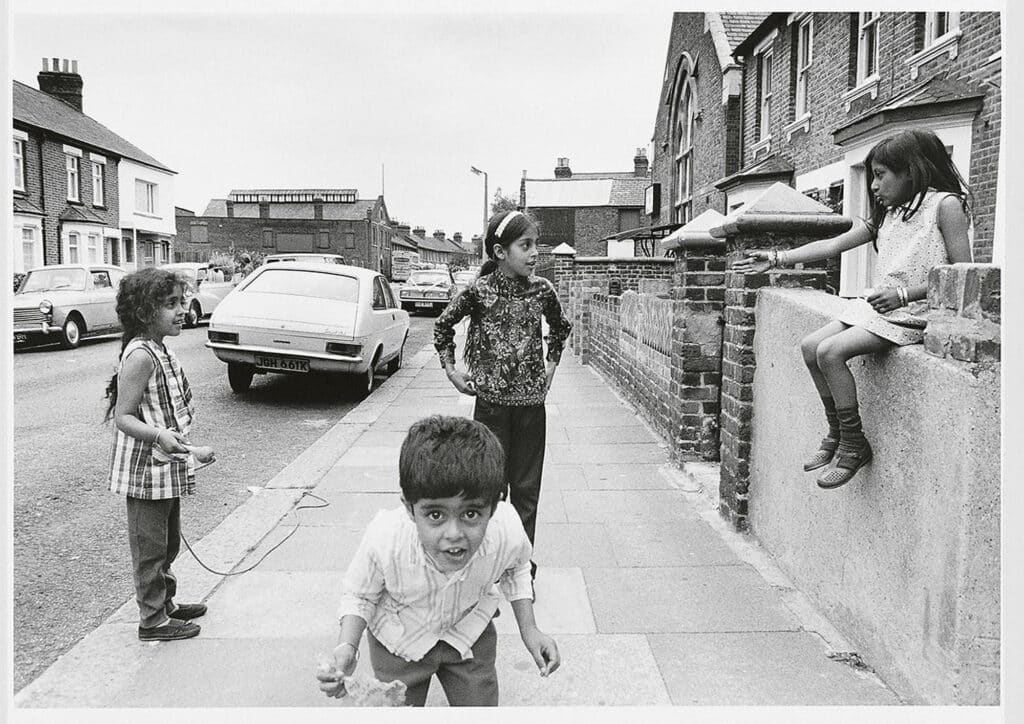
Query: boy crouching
{"type": "Point", "coordinates": [423, 578]}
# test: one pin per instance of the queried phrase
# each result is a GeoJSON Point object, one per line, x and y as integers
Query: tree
{"type": "Point", "coordinates": [501, 202]}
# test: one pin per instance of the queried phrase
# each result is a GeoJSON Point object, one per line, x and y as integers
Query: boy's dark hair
{"type": "Point", "coordinates": [139, 296]}
{"type": "Point", "coordinates": [445, 457]}
{"type": "Point", "coordinates": [922, 155]}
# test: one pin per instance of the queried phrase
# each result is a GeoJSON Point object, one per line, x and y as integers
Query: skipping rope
{"type": "Point", "coordinates": [323, 504]}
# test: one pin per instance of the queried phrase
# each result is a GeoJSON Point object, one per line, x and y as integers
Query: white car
{"type": "Point", "coordinates": [66, 303]}
{"type": "Point", "coordinates": [427, 290]}
{"type": "Point", "coordinates": [206, 294]}
{"type": "Point", "coordinates": [301, 318]}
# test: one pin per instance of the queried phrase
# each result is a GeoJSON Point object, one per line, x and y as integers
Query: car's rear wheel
{"type": "Point", "coordinates": [240, 376]}
{"type": "Point", "coordinates": [71, 332]}
{"type": "Point", "coordinates": [362, 382]}
{"type": "Point", "coordinates": [396, 364]}
{"type": "Point", "coordinates": [193, 315]}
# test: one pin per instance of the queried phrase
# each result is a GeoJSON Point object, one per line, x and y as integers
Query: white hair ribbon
{"type": "Point", "coordinates": [504, 222]}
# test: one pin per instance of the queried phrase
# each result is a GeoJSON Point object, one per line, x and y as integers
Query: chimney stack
{"type": "Point", "coordinates": [457, 237]}
{"type": "Point", "coordinates": [62, 81]}
{"type": "Point", "coordinates": [403, 229]}
{"type": "Point", "coordinates": [640, 164]}
{"type": "Point", "coordinates": [562, 169]}
{"type": "Point", "coordinates": [420, 232]}
{"type": "Point", "coordinates": [439, 234]}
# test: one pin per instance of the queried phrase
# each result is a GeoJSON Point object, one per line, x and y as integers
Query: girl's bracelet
{"type": "Point", "coordinates": [781, 258]}
{"type": "Point", "coordinates": [901, 292]}
{"type": "Point", "coordinates": [773, 258]}
{"type": "Point", "coordinates": [354, 647]}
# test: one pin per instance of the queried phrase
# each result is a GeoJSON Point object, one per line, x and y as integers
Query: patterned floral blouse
{"type": "Point", "coordinates": [504, 348]}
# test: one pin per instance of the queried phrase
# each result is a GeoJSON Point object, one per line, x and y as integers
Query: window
{"type": "Point", "coordinates": [268, 238]}
{"type": "Point", "coordinates": [28, 247]}
{"type": "Point", "coordinates": [145, 196]}
{"type": "Point", "coordinates": [766, 62]}
{"type": "Point", "coordinates": [93, 249]}
{"type": "Point", "coordinates": [72, 177]}
{"type": "Point", "coordinates": [683, 137]}
{"type": "Point", "coordinates": [629, 219]}
{"type": "Point", "coordinates": [97, 184]}
{"type": "Point", "coordinates": [73, 257]}
{"type": "Point", "coordinates": [19, 164]}
{"type": "Point", "coordinates": [936, 25]}
{"type": "Point", "coordinates": [867, 46]}
{"type": "Point", "coordinates": [379, 298]}
{"type": "Point", "coordinates": [323, 240]}
{"type": "Point", "coordinates": [803, 64]}
{"type": "Point", "coordinates": [349, 239]}
{"type": "Point", "coordinates": [100, 280]}
{"type": "Point", "coordinates": [129, 251]}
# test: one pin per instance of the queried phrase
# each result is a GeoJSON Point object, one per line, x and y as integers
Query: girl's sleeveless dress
{"type": "Point", "coordinates": [166, 404]}
{"type": "Point", "coordinates": [907, 250]}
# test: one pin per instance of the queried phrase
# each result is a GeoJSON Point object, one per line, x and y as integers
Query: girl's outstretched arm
{"type": "Point", "coordinates": [131, 384]}
{"type": "Point", "coordinates": [757, 259]}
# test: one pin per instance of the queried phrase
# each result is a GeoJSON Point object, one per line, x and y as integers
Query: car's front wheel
{"type": "Point", "coordinates": [71, 332]}
{"type": "Point", "coordinates": [240, 376]}
{"type": "Point", "coordinates": [193, 315]}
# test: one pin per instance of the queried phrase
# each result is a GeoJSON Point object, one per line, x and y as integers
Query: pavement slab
{"type": "Point", "coordinates": [633, 507]}
{"type": "Point", "coordinates": [623, 476]}
{"type": "Point", "coordinates": [360, 479]}
{"type": "Point", "coordinates": [582, 545]}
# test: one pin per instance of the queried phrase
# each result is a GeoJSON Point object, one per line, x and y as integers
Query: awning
{"type": "Point", "coordinates": [644, 233]}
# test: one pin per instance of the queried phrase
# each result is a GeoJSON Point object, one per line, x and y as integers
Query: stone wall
{"type": "Point", "coordinates": [904, 559]}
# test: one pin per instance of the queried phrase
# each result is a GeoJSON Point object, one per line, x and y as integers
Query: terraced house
{"type": "Point", "coordinates": [81, 192]}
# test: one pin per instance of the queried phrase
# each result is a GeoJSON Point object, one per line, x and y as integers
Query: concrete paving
{"type": "Point", "coordinates": [650, 597]}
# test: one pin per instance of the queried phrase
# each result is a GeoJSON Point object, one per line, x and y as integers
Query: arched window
{"type": "Point", "coordinates": [683, 144]}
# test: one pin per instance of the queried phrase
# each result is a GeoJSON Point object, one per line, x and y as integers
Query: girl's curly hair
{"type": "Point", "coordinates": [139, 296]}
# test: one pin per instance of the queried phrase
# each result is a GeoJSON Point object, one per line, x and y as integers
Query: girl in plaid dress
{"type": "Point", "coordinates": [152, 462]}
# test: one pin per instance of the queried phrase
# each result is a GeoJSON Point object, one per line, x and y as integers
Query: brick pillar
{"type": "Point", "coordinates": [964, 312]}
{"type": "Point", "coordinates": [780, 218]}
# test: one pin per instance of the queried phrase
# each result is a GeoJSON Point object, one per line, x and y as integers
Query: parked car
{"type": "Point", "coordinates": [67, 303]}
{"type": "Point", "coordinates": [302, 318]}
{"type": "Point", "coordinates": [427, 289]}
{"type": "Point", "coordinates": [206, 294]}
{"type": "Point", "coordinates": [321, 258]}
{"type": "Point", "coordinates": [463, 279]}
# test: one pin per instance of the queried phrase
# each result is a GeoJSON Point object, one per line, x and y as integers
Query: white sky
{"type": "Point", "coordinates": [243, 99]}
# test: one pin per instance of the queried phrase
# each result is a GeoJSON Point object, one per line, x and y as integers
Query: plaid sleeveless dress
{"type": "Point", "coordinates": [166, 404]}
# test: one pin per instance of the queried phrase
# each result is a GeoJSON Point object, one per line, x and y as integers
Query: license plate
{"type": "Point", "coordinates": [285, 364]}
{"type": "Point", "coordinates": [20, 338]}
{"type": "Point", "coordinates": [424, 304]}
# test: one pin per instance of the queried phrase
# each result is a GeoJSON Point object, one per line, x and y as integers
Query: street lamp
{"type": "Point", "coordinates": [483, 237]}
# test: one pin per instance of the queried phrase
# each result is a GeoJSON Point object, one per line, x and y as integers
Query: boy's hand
{"type": "Point", "coordinates": [462, 382]}
{"type": "Point", "coordinates": [331, 673]}
{"type": "Point", "coordinates": [543, 649]}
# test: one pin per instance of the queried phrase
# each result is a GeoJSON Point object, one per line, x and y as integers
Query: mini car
{"type": "Point", "coordinates": [426, 290]}
{"type": "Point", "coordinates": [302, 318]}
{"type": "Point", "coordinates": [67, 303]}
{"type": "Point", "coordinates": [463, 279]}
{"type": "Point", "coordinates": [205, 293]}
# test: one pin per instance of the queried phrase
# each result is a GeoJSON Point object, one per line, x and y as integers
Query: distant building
{"type": "Point", "coordinates": [81, 192]}
{"type": "Point", "coordinates": [269, 221]}
{"type": "Point", "coordinates": [582, 209]}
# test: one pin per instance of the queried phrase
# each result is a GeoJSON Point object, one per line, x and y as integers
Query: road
{"type": "Point", "coordinates": [72, 567]}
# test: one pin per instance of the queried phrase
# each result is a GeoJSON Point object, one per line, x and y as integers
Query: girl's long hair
{"type": "Point", "coordinates": [924, 157]}
{"type": "Point", "coordinates": [515, 228]}
{"type": "Point", "coordinates": [139, 296]}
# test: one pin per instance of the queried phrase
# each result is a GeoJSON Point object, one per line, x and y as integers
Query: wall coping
{"type": "Point", "coordinates": [625, 260]}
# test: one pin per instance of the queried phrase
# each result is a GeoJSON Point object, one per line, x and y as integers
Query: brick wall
{"type": "Point", "coordinates": [713, 159]}
{"type": "Point", "coordinates": [234, 235]}
{"type": "Point", "coordinates": [53, 191]}
{"type": "Point", "coordinates": [593, 224]}
{"type": "Point", "coordinates": [830, 77]}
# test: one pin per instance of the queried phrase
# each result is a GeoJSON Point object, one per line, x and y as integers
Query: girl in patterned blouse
{"type": "Point", "coordinates": [152, 463]}
{"type": "Point", "coordinates": [508, 371]}
{"type": "Point", "coordinates": [919, 219]}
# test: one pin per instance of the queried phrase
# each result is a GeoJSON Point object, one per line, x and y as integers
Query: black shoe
{"type": "Point", "coordinates": [188, 611]}
{"type": "Point", "coordinates": [173, 630]}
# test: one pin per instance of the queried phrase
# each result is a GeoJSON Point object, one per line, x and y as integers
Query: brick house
{"type": "Point", "coordinates": [820, 89]}
{"type": "Point", "coordinates": [583, 209]}
{"type": "Point", "coordinates": [697, 131]}
{"type": "Point", "coordinates": [270, 221]}
{"type": "Point", "coordinates": [75, 190]}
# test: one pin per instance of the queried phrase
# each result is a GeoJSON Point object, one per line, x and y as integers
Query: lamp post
{"type": "Point", "coordinates": [483, 237]}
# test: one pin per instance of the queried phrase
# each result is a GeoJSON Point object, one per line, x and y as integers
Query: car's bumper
{"type": "Point", "coordinates": [23, 331]}
{"type": "Point", "coordinates": [318, 362]}
{"type": "Point", "coordinates": [421, 305]}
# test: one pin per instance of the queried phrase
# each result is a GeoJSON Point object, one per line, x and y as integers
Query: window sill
{"type": "Point", "coordinates": [765, 144]}
{"type": "Point", "coordinates": [147, 214]}
{"type": "Point", "coordinates": [868, 87]}
{"type": "Point", "coordinates": [801, 123]}
{"type": "Point", "coordinates": [948, 44]}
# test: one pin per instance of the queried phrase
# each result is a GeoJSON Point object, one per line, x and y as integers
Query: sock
{"type": "Point", "coordinates": [830, 416]}
{"type": "Point", "coordinates": [851, 436]}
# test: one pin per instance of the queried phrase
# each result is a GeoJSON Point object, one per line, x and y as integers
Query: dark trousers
{"type": "Point", "coordinates": [522, 432]}
{"type": "Point", "coordinates": [473, 682]}
{"type": "Point", "coordinates": [154, 536]}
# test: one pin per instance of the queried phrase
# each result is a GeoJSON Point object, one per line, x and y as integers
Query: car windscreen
{"type": "Point", "coordinates": [303, 283]}
{"type": "Point", "coordinates": [47, 280]}
{"type": "Point", "coordinates": [429, 278]}
{"type": "Point", "coordinates": [465, 276]}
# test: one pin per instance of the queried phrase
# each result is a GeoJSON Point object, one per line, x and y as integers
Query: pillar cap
{"type": "Point", "coordinates": [564, 249]}
{"type": "Point", "coordinates": [782, 211]}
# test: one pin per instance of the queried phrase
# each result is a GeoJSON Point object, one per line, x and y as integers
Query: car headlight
{"type": "Point", "coordinates": [45, 306]}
